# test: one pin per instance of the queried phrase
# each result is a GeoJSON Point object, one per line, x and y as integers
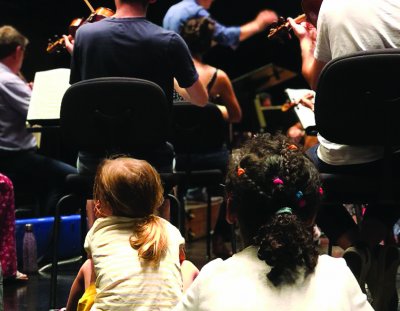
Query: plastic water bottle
{"type": "Point", "coordinates": [29, 250]}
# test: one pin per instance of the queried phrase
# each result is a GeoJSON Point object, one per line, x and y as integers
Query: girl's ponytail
{"type": "Point", "coordinates": [285, 244]}
{"type": "Point", "coordinates": [150, 240]}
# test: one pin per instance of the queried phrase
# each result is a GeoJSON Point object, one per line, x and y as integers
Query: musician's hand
{"type": "Point", "coordinates": [308, 101]}
{"type": "Point", "coordinates": [266, 18]}
{"type": "Point", "coordinates": [304, 30]}
{"type": "Point", "coordinates": [296, 132]}
{"type": "Point", "coordinates": [69, 44]}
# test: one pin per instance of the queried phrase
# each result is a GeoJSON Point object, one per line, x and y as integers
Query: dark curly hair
{"type": "Point", "coordinates": [198, 33]}
{"type": "Point", "coordinates": [275, 191]}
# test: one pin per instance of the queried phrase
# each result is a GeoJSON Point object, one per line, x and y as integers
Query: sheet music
{"type": "Point", "coordinates": [48, 90]}
{"type": "Point", "coordinates": [305, 115]}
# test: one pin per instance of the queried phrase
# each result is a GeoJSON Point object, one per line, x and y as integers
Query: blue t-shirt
{"type": "Point", "coordinates": [132, 47]}
{"type": "Point", "coordinates": [186, 9]}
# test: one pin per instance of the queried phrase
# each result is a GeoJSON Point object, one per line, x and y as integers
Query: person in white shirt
{"type": "Point", "coordinates": [344, 27]}
{"type": "Point", "coordinates": [273, 193]}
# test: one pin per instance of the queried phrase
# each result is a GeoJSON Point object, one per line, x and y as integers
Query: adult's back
{"type": "Point", "coordinates": [132, 47]}
{"type": "Point", "coordinates": [356, 25]}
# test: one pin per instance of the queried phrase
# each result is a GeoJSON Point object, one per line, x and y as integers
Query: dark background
{"type": "Point", "coordinates": [40, 20]}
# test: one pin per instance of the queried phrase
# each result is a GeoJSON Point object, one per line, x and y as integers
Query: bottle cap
{"type": "Point", "coordinates": [29, 227]}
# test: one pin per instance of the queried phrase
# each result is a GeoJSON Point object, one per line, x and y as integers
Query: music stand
{"type": "Point", "coordinates": [248, 85]}
{"type": "Point", "coordinates": [263, 78]}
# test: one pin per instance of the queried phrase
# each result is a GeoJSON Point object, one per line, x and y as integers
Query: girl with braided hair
{"type": "Point", "coordinates": [273, 193]}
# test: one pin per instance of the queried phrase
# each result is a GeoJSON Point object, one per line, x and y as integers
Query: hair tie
{"type": "Point", "coordinates": [240, 171]}
{"type": "Point", "coordinates": [292, 147]}
{"type": "Point", "coordinates": [277, 181]}
{"type": "Point", "coordinates": [299, 195]}
{"type": "Point", "coordinates": [284, 210]}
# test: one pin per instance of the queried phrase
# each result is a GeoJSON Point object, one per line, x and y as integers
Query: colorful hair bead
{"type": "Point", "coordinates": [284, 210]}
{"type": "Point", "coordinates": [277, 181]}
{"type": "Point", "coordinates": [240, 171]}
{"type": "Point", "coordinates": [299, 195]}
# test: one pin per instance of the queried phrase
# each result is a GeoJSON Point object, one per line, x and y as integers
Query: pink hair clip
{"type": "Point", "coordinates": [277, 181]}
{"type": "Point", "coordinates": [321, 191]}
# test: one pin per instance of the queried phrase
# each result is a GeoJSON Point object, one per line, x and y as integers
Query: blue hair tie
{"type": "Point", "coordinates": [299, 195]}
{"type": "Point", "coordinates": [284, 210]}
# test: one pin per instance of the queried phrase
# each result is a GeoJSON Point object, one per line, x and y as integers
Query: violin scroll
{"type": "Point", "coordinates": [282, 27]}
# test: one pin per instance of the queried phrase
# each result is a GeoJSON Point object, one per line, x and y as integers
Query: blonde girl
{"type": "Point", "coordinates": [135, 255]}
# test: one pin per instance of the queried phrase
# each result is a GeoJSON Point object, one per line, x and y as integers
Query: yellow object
{"type": "Point", "coordinates": [87, 300]}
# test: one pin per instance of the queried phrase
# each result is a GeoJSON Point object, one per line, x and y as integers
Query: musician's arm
{"type": "Point", "coordinates": [263, 19]}
{"type": "Point", "coordinates": [197, 94]}
{"type": "Point", "coordinates": [311, 67]}
{"type": "Point", "coordinates": [69, 44]}
{"type": "Point", "coordinates": [223, 87]}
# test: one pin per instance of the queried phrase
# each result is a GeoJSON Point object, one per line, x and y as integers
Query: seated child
{"type": "Point", "coordinates": [273, 191]}
{"type": "Point", "coordinates": [136, 258]}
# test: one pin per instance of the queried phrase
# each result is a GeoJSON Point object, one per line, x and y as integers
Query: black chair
{"type": "Point", "coordinates": [358, 103]}
{"type": "Point", "coordinates": [107, 116]}
{"type": "Point", "coordinates": [197, 131]}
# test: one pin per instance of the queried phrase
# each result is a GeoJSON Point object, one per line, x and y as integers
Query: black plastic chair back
{"type": "Point", "coordinates": [114, 113]}
{"type": "Point", "coordinates": [358, 103]}
{"type": "Point", "coordinates": [197, 129]}
{"type": "Point", "coordinates": [358, 99]}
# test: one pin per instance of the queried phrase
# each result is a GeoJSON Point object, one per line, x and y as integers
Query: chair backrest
{"type": "Point", "coordinates": [197, 129]}
{"type": "Point", "coordinates": [358, 99]}
{"type": "Point", "coordinates": [114, 113]}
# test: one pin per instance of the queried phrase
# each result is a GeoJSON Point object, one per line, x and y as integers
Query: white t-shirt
{"type": "Point", "coordinates": [240, 283]}
{"type": "Point", "coordinates": [121, 282]}
{"type": "Point", "coordinates": [344, 27]}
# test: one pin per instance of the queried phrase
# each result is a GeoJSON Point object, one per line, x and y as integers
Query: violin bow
{"type": "Point", "coordinates": [89, 6]}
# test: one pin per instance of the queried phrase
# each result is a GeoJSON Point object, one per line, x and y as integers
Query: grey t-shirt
{"type": "Point", "coordinates": [344, 27]}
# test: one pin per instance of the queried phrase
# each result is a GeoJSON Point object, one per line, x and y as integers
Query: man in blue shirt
{"type": "Point", "coordinates": [227, 36]}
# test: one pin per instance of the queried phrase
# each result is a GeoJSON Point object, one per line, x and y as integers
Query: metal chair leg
{"type": "Point", "coordinates": [209, 230]}
{"type": "Point", "coordinates": [83, 230]}
{"type": "Point", "coordinates": [233, 239]}
{"type": "Point", "coordinates": [55, 240]}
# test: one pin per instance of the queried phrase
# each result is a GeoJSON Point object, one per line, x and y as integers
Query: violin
{"type": "Point", "coordinates": [95, 16]}
{"type": "Point", "coordinates": [310, 9]}
{"type": "Point", "coordinates": [288, 105]}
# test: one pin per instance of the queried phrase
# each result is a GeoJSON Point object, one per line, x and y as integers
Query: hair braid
{"type": "Point", "coordinates": [272, 177]}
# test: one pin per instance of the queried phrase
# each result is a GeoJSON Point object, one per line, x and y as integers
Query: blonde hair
{"type": "Point", "coordinates": [132, 188]}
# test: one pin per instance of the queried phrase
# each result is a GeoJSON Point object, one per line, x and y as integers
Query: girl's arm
{"type": "Point", "coordinates": [188, 269]}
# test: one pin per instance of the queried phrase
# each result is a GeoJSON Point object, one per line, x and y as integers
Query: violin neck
{"type": "Point", "coordinates": [301, 18]}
